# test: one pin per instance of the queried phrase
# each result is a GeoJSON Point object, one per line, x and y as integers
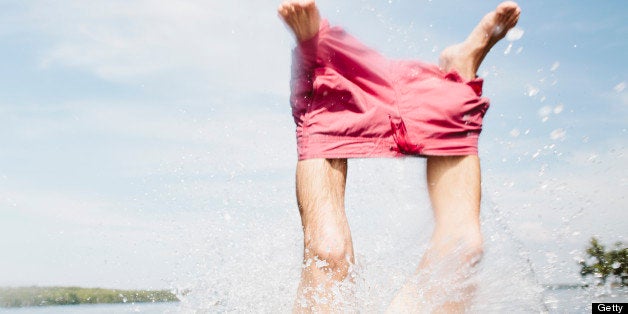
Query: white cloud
{"type": "Point", "coordinates": [553, 206]}
{"type": "Point", "coordinates": [61, 207]}
{"type": "Point", "coordinates": [592, 188]}
{"type": "Point", "coordinates": [165, 139]}
{"type": "Point", "coordinates": [128, 41]}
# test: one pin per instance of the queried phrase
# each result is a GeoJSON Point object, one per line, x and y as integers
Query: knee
{"type": "Point", "coordinates": [471, 250]}
{"type": "Point", "coordinates": [330, 251]}
{"type": "Point", "coordinates": [464, 250]}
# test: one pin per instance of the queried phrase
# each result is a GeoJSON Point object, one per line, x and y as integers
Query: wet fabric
{"type": "Point", "coordinates": [349, 101]}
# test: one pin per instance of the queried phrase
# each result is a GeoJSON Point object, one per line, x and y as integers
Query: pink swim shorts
{"type": "Point", "coordinates": [349, 101]}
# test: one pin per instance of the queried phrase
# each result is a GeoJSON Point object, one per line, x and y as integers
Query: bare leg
{"type": "Point", "coordinates": [320, 184]}
{"type": "Point", "coordinates": [439, 283]}
{"type": "Point", "coordinates": [467, 56]}
{"type": "Point", "coordinates": [454, 185]}
{"type": "Point", "coordinates": [328, 251]}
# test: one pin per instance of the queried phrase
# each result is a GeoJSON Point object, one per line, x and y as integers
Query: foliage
{"type": "Point", "coordinates": [603, 264]}
{"type": "Point", "coordinates": [40, 296]}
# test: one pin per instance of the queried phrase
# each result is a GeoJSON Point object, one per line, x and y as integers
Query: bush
{"type": "Point", "coordinates": [603, 264]}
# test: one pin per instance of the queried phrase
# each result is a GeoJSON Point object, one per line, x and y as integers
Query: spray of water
{"type": "Point", "coordinates": [251, 261]}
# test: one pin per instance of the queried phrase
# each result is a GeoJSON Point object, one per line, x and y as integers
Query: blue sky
{"type": "Point", "coordinates": [131, 132]}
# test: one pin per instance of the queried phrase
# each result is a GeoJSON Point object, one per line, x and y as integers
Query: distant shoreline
{"type": "Point", "coordinates": [11, 297]}
{"type": "Point", "coordinates": [46, 296]}
{"type": "Point", "coordinates": [564, 286]}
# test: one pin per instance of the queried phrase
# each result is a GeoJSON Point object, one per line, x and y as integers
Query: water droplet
{"type": "Point", "coordinates": [555, 66]}
{"type": "Point", "coordinates": [559, 108]}
{"type": "Point", "coordinates": [532, 91]}
{"type": "Point", "coordinates": [538, 152]}
{"type": "Point", "coordinates": [558, 134]}
{"type": "Point", "coordinates": [321, 263]}
{"type": "Point", "coordinates": [620, 87]}
{"type": "Point", "coordinates": [592, 158]}
{"type": "Point", "coordinates": [507, 51]}
{"type": "Point", "coordinates": [514, 34]}
{"type": "Point", "coordinates": [545, 111]}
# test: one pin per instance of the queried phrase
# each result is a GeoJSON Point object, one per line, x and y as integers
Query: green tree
{"type": "Point", "coordinates": [605, 264]}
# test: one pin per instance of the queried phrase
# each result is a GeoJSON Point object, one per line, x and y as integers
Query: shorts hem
{"type": "Point", "coordinates": [334, 147]}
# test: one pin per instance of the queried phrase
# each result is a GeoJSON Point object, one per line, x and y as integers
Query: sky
{"type": "Point", "coordinates": [133, 132]}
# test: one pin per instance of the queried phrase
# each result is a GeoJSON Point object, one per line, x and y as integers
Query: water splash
{"type": "Point", "coordinates": [251, 262]}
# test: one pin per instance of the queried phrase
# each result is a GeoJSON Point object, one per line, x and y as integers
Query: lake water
{"type": "Point", "coordinates": [556, 301]}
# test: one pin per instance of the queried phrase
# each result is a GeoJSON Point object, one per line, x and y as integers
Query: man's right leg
{"type": "Point", "coordinates": [328, 251]}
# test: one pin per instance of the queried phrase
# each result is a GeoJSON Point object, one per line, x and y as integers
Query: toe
{"type": "Point", "coordinates": [282, 11]}
{"type": "Point", "coordinates": [309, 4]}
{"type": "Point", "coordinates": [506, 8]}
{"type": "Point", "coordinates": [291, 11]}
{"type": "Point", "coordinates": [514, 18]}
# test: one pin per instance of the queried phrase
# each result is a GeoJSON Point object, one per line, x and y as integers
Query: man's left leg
{"type": "Point", "coordinates": [467, 56]}
{"type": "Point", "coordinates": [454, 185]}
{"type": "Point", "coordinates": [455, 247]}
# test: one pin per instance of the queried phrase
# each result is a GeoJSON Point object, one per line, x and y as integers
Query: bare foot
{"type": "Point", "coordinates": [302, 17]}
{"type": "Point", "coordinates": [467, 56]}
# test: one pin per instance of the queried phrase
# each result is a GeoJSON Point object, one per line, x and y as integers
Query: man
{"type": "Point", "coordinates": [350, 102]}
